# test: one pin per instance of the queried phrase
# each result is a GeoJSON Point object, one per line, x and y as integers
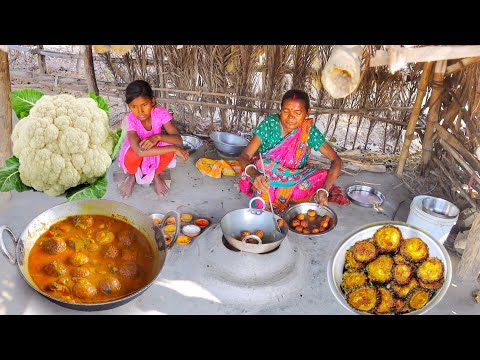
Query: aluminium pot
{"type": "Point", "coordinates": [118, 210]}
{"type": "Point", "coordinates": [251, 219]}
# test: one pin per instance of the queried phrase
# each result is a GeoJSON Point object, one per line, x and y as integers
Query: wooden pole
{"type": "Point", "coordinates": [397, 56]}
{"type": "Point", "coordinates": [422, 89]}
{"type": "Point", "coordinates": [79, 60]}
{"type": "Point", "coordinates": [432, 117]}
{"type": "Point", "coordinates": [42, 65]}
{"type": "Point", "coordinates": [460, 160]}
{"type": "Point", "coordinates": [454, 182]}
{"type": "Point", "coordinates": [469, 266]}
{"type": "Point", "coordinates": [457, 145]}
{"type": "Point", "coordinates": [461, 64]}
{"type": "Point", "coordinates": [5, 115]}
{"type": "Point", "coordinates": [90, 69]}
{"type": "Point", "coordinates": [451, 113]}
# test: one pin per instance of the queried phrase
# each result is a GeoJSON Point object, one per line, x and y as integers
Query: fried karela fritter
{"type": "Point", "coordinates": [364, 251]}
{"type": "Point", "coordinates": [400, 306]}
{"type": "Point", "coordinates": [431, 286]}
{"type": "Point", "coordinates": [364, 298]}
{"type": "Point", "coordinates": [418, 299]}
{"type": "Point", "coordinates": [414, 249]}
{"type": "Point", "coordinates": [400, 259]}
{"type": "Point", "coordinates": [380, 269]}
{"type": "Point", "coordinates": [352, 279]}
{"type": "Point", "coordinates": [403, 273]}
{"type": "Point", "coordinates": [386, 303]}
{"type": "Point", "coordinates": [403, 290]}
{"type": "Point", "coordinates": [387, 239]}
{"type": "Point", "coordinates": [431, 270]}
{"type": "Point", "coordinates": [350, 262]}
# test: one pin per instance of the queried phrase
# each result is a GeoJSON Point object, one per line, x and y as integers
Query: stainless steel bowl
{"type": "Point", "coordinates": [191, 143]}
{"type": "Point", "coordinates": [228, 143]}
{"type": "Point", "coordinates": [292, 213]}
{"type": "Point", "coordinates": [440, 208]}
{"type": "Point", "coordinates": [435, 249]}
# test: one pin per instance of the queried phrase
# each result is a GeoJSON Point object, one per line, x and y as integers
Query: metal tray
{"type": "Point", "coordinates": [365, 196]}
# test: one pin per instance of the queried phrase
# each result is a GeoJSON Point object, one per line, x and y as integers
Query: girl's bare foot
{"type": "Point", "coordinates": [127, 186]}
{"type": "Point", "coordinates": [159, 184]}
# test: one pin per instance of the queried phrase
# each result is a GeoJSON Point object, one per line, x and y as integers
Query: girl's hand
{"type": "Point", "coordinates": [261, 183]}
{"type": "Point", "coordinates": [149, 142]}
{"type": "Point", "coordinates": [182, 153]}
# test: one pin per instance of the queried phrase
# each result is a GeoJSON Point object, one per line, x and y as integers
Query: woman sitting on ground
{"type": "Point", "coordinates": [285, 141]}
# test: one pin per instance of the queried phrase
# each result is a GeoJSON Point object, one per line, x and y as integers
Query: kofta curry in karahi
{"type": "Point", "coordinates": [91, 259]}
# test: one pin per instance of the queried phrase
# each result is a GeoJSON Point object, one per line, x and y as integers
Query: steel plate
{"type": "Point", "coordinates": [364, 195]}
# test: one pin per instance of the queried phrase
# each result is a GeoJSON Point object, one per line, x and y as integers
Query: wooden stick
{"type": "Point", "coordinates": [5, 110]}
{"type": "Point", "coordinates": [90, 69]}
{"type": "Point", "coordinates": [452, 112]}
{"type": "Point", "coordinates": [461, 65]}
{"type": "Point", "coordinates": [453, 142]}
{"type": "Point", "coordinates": [397, 56]}
{"type": "Point", "coordinates": [460, 160]}
{"type": "Point", "coordinates": [432, 117]}
{"type": "Point", "coordinates": [42, 66]}
{"type": "Point", "coordinates": [469, 266]}
{"type": "Point", "coordinates": [422, 89]}
{"type": "Point", "coordinates": [455, 182]}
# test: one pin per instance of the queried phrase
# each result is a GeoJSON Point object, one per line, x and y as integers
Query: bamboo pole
{"type": "Point", "coordinates": [5, 115]}
{"type": "Point", "coordinates": [457, 145]}
{"type": "Point", "coordinates": [422, 89]}
{"type": "Point", "coordinates": [460, 160]}
{"type": "Point", "coordinates": [452, 112]}
{"type": "Point", "coordinates": [397, 56]}
{"type": "Point", "coordinates": [454, 182]}
{"type": "Point", "coordinates": [461, 65]}
{"type": "Point", "coordinates": [469, 266]}
{"type": "Point", "coordinates": [432, 117]}
{"type": "Point", "coordinates": [471, 129]}
{"type": "Point", "coordinates": [90, 69]}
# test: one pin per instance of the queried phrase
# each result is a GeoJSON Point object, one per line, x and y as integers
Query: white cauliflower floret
{"type": "Point", "coordinates": [63, 142]}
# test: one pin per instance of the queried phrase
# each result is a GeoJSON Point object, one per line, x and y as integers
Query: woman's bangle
{"type": "Point", "coordinates": [322, 189]}
{"type": "Point", "coordinates": [245, 170]}
{"type": "Point", "coordinates": [246, 167]}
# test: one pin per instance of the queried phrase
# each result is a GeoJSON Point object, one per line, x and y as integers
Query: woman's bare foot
{"type": "Point", "coordinates": [127, 186]}
{"type": "Point", "coordinates": [159, 184]}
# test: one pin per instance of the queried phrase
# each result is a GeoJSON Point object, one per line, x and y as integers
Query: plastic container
{"type": "Point", "coordinates": [439, 227]}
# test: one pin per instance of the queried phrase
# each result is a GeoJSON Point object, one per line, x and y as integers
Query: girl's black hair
{"type": "Point", "coordinates": [297, 95]}
{"type": "Point", "coordinates": [136, 89]}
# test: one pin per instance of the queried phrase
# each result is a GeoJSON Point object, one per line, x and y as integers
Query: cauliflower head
{"type": "Point", "coordinates": [63, 142]}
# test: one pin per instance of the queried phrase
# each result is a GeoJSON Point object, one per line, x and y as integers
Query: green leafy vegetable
{"type": "Point", "coordinates": [23, 101]}
{"type": "Point", "coordinates": [88, 191]}
{"type": "Point", "coordinates": [10, 176]}
{"type": "Point", "coordinates": [102, 104]}
{"type": "Point", "coordinates": [118, 141]}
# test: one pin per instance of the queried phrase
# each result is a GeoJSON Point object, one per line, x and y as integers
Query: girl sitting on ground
{"type": "Point", "coordinates": [146, 152]}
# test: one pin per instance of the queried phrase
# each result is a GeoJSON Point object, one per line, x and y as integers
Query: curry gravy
{"type": "Point", "coordinates": [91, 259]}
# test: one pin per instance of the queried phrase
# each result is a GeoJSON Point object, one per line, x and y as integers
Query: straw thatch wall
{"type": "Point", "coordinates": [233, 87]}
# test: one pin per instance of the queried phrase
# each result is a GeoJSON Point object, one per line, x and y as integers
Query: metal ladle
{"type": "Point", "coordinates": [270, 200]}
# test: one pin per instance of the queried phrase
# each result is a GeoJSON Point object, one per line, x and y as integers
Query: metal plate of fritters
{"type": "Point", "coordinates": [364, 195]}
